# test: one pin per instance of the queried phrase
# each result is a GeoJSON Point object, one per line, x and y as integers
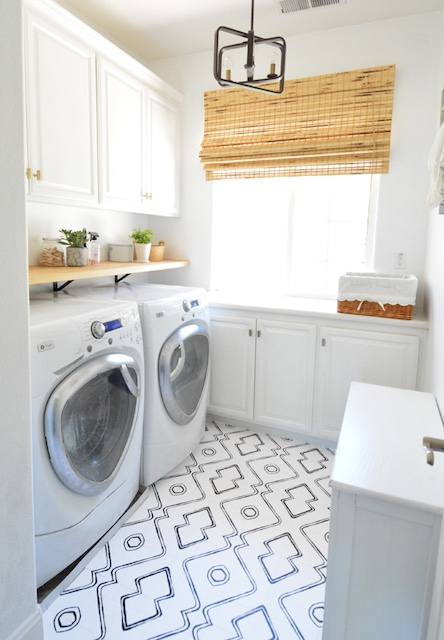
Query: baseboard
{"type": "Point", "coordinates": [31, 629]}
{"type": "Point", "coordinates": [275, 431]}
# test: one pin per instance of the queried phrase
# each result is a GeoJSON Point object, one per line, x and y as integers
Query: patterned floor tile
{"type": "Point", "coordinates": [231, 545]}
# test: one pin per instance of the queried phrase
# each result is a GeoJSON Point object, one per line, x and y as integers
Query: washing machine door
{"type": "Point", "coordinates": [89, 421]}
{"type": "Point", "coordinates": [183, 366]}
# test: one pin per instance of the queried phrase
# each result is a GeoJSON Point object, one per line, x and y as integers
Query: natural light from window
{"type": "Point", "coordinates": [290, 236]}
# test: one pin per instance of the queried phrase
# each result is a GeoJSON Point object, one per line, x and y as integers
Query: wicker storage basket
{"type": "Point", "coordinates": [366, 308]}
{"type": "Point", "coordinates": [384, 295]}
{"type": "Point", "coordinates": [157, 252]}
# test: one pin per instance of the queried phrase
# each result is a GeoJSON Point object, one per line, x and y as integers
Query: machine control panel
{"type": "Point", "coordinates": [128, 319]}
{"type": "Point", "coordinates": [189, 304]}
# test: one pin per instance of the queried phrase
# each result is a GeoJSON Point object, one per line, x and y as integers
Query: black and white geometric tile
{"type": "Point", "coordinates": [231, 545]}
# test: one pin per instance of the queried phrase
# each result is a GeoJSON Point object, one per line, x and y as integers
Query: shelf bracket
{"type": "Point", "coordinates": [55, 286]}
{"type": "Point", "coordinates": [118, 279]}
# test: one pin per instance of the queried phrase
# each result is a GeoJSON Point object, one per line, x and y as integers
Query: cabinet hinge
{"type": "Point", "coordinates": [323, 342]}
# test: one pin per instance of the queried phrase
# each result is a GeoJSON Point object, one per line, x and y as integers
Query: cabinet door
{"type": "Point", "coordinates": [285, 357]}
{"type": "Point", "coordinates": [121, 138]}
{"type": "Point", "coordinates": [162, 174]}
{"type": "Point", "coordinates": [61, 115]}
{"type": "Point", "coordinates": [232, 366]}
{"type": "Point", "coordinates": [347, 356]}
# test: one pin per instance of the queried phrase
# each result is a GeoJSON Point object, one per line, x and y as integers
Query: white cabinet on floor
{"type": "Point", "coordinates": [386, 546]}
{"type": "Point", "coordinates": [262, 370]}
{"type": "Point", "coordinates": [61, 115]}
{"type": "Point", "coordinates": [292, 370]}
{"type": "Point", "coordinates": [346, 356]}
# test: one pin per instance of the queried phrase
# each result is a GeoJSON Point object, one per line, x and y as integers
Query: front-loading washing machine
{"type": "Point", "coordinates": [87, 383]}
{"type": "Point", "coordinates": [175, 326]}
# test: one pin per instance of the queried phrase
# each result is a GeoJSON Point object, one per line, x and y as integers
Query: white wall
{"type": "Point", "coordinates": [410, 43]}
{"type": "Point", "coordinates": [435, 275]}
{"type": "Point", "coordinates": [17, 583]}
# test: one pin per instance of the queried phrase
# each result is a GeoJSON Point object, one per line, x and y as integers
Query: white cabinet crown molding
{"type": "Point", "coordinates": [102, 45]}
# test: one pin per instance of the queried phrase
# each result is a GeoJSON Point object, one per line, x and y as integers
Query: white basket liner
{"type": "Point", "coordinates": [384, 288]}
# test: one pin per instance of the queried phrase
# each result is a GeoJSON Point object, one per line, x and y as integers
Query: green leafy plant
{"type": "Point", "coordinates": [75, 239]}
{"type": "Point", "coordinates": [142, 236]}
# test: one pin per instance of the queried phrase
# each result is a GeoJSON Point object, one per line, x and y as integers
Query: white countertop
{"type": "Point", "coordinates": [301, 306]}
{"type": "Point", "coordinates": [380, 450]}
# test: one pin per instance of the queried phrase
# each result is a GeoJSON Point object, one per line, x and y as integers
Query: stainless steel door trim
{"type": "Point", "coordinates": [61, 395]}
{"type": "Point", "coordinates": [170, 368]}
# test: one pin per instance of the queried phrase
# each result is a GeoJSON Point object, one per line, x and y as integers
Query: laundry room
{"type": "Point", "coordinates": [253, 375]}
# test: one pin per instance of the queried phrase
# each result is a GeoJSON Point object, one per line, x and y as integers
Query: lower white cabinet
{"type": "Point", "coordinates": [294, 372]}
{"type": "Point", "coordinates": [386, 546]}
{"type": "Point", "coordinates": [353, 355]}
{"type": "Point", "coordinates": [263, 370]}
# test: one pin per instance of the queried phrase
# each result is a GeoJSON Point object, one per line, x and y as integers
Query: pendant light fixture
{"type": "Point", "coordinates": [246, 60]}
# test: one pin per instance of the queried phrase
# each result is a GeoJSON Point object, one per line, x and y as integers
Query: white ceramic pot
{"type": "Point", "coordinates": [76, 256]}
{"type": "Point", "coordinates": [142, 252]}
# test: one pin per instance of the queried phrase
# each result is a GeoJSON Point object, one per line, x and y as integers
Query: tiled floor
{"type": "Point", "coordinates": [231, 545]}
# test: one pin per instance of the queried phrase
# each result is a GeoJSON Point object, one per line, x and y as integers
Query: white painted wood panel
{"type": "Point", "coordinates": [61, 115]}
{"type": "Point", "coordinates": [285, 360]}
{"type": "Point", "coordinates": [232, 366]}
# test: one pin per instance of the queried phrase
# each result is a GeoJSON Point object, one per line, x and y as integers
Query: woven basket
{"type": "Point", "coordinates": [157, 252]}
{"type": "Point", "coordinates": [402, 312]}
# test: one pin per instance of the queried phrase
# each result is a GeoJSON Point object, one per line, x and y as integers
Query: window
{"type": "Point", "coordinates": [290, 236]}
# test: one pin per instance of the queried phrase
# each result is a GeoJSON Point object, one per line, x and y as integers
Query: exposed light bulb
{"type": "Point", "coordinates": [228, 65]}
{"type": "Point", "coordinates": [273, 60]}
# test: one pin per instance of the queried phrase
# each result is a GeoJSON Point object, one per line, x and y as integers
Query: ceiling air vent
{"type": "Point", "coordinates": [289, 6]}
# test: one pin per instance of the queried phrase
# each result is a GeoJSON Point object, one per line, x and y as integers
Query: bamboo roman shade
{"type": "Point", "coordinates": [324, 125]}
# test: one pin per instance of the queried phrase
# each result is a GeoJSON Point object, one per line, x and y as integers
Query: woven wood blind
{"type": "Point", "coordinates": [324, 125]}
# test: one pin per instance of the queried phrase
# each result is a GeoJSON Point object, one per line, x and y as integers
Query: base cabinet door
{"type": "Point", "coordinates": [263, 370]}
{"type": "Point", "coordinates": [61, 115]}
{"type": "Point", "coordinates": [232, 367]}
{"type": "Point", "coordinates": [347, 356]}
{"type": "Point", "coordinates": [285, 357]}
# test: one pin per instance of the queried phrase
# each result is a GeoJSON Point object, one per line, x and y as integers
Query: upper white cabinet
{"type": "Point", "coordinates": [164, 155]}
{"type": "Point", "coordinates": [120, 150]}
{"type": "Point", "coordinates": [122, 138]}
{"type": "Point", "coordinates": [346, 356]}
{"type": "Point", "coordinates": [138, 145]}
{"type": "Point", "coordinates": [61, 115]}
{"type": "Point", "coordinates": [262, 370]}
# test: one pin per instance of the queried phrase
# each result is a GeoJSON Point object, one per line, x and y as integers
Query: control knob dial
{"type": "Point", "coordinates": [98, 329]}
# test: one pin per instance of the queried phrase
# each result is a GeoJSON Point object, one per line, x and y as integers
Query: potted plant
{"type": "Point", "coordinates": [76, 248]}
{"type": "Point", "coordinates": [142, 243]}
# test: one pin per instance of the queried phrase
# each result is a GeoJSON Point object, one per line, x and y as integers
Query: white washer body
{"type": "Point", "coordinates": [72, 508]}
{"type": "Point", "coordinates": [167, 439]}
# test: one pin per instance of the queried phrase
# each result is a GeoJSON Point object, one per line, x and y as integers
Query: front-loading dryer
{"type": "Point", "coordinates": [87, 417]}
{"type": "Point", "coordinates": [175, 325]}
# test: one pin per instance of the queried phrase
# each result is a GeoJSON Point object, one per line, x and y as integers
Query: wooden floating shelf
{"type": "Point", "coordinates": [44, 275]}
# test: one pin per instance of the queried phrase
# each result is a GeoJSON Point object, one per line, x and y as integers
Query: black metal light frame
{"type": "Point", "coordinates": [250, 42]}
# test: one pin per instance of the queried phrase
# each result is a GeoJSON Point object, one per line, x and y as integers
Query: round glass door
{"type": "Point", "coordinates": [89, 421]}
{"type": "Point", "coordinates": [183, 365]}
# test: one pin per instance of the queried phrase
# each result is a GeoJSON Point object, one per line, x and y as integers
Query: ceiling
{"type": "Point", "coordinates": [158, 29]}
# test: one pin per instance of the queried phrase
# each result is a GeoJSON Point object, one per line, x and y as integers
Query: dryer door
{"type": "Point", "coordinates": [89, 421]}
{"type": "Point", "coordinates": [183, 366]}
